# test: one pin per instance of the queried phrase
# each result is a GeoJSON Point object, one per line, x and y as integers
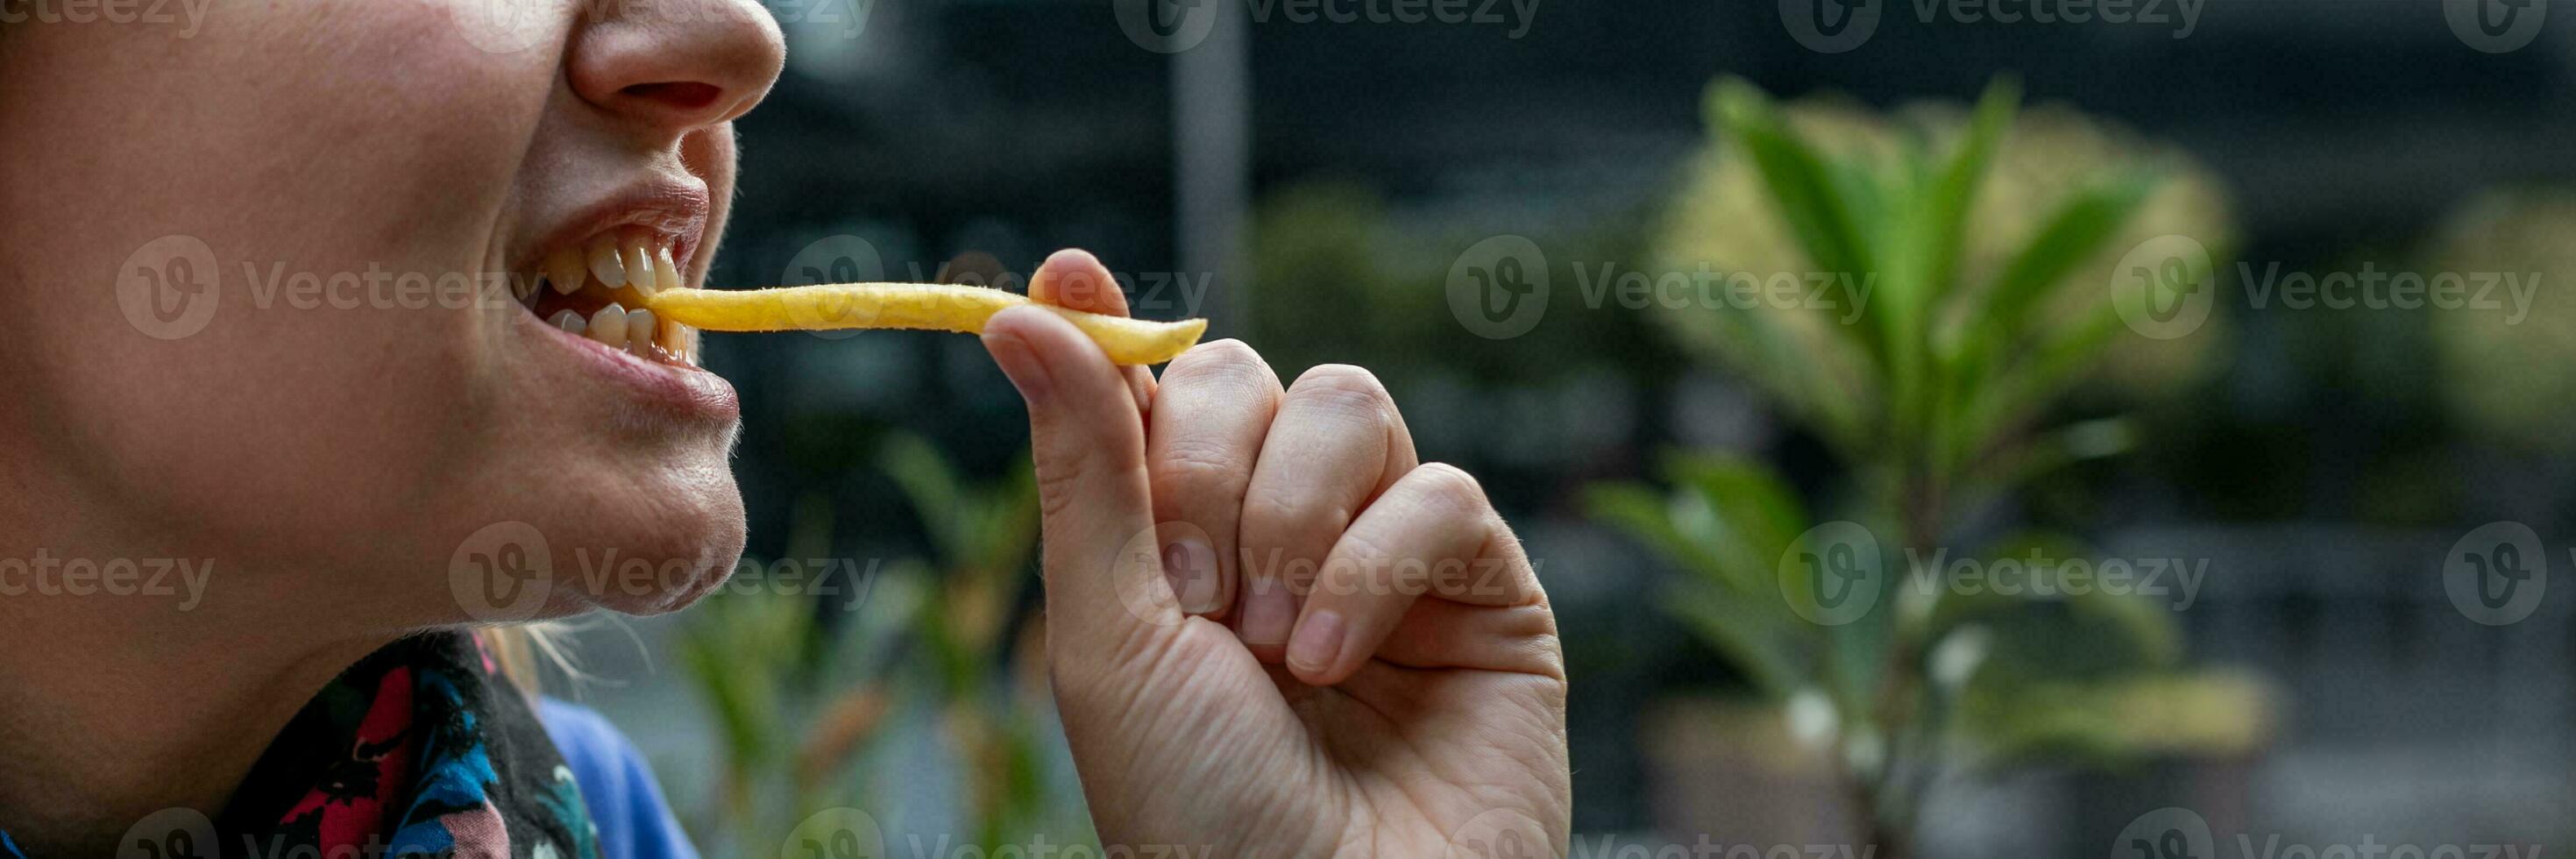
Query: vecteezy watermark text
{"type": "Point", "coordinates": [187, 15]}
{"type": "Point", "coordinates": [1836, 26]}
{"type": "Point", "coordinates": [45, 574]}
{"type": "Point", "coordinates": [1836, 572]}
{"type": "Point", "coordinates": [1174, 26]}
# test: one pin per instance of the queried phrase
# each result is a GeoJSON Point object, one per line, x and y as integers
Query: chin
{"type": "Point", "coordinates": [659, 557]}
{"type": "Point", "coordinates": [655, 542]}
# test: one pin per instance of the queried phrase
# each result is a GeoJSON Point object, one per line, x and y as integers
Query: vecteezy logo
{"type": "Point", "coordinates": [502, 573]}
{"type": "Point", "coordinates": [1498, 288]}
{"type": "Point", "coordinates": [1168, 26]}
{"type": "Point", "coordinates": [2165, 833]}
{"type": "Point", "coordinates": [1830, 26]}
{"type": "Point", "coordinates": [503, 26]}
{"type": "Point", "coordinates": [2496, 574]}
{"type": "Point", "coordinates": [1833, 574]}
{"type": "Point", "coordinates": [835, 833]}
{"type": "Point", "coordinates": [840, 258]}
{"type": "Point", "coordinates": [167, 287]}
{"type": "Point", "coordinates": [2163, 287]}
{"type": "Point", "coordinates": [2496, 26]}
{"type": "Point", "coordinates": [1502, 833]}
{"type": "Point", "coordinates": [171, 833]}
{"type": "Point", "coordinates": [1137, 571]}
{"type": "Point", "coordinates": [822, 16]}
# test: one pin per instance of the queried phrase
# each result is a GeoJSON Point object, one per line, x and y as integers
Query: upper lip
{"type": "Point", "coordinates": [672, 209]}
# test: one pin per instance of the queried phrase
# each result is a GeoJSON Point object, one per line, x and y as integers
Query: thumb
{"type": "Point", "coordinates": [1105, 594]}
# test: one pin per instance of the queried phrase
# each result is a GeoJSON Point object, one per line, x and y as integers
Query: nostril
{"type": "Point", "coordinates": [683, 95]}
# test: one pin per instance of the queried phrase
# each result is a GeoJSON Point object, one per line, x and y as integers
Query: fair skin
{"type": "Point", "coordinates": [313, 454]}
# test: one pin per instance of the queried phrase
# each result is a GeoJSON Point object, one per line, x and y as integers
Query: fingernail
{"type": "Point", "coordinates": [1268, 611]}
{"type": "Point", "coordinates": [1026, 372]}
{"type": "Point", "coordinates": [1189, 563]}
{"type": "Point", "coordinates": [1318, 642]}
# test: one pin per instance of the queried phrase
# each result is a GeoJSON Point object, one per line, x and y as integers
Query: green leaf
{"type": "Point", "coordinates": [2072, 235]}
{"type": "Point", "coordinates": [1945, 210]}
{"type": "Point", "coordinates": [1646, 515]}
{"type": "Point", "coordinates": [1755, 514]}
{"type": "Point", "coordinates": [932, 488]}
{"type": "Point", "coordinates": [2118, 721]}
{"type": "Point", "coordinates": [2122, 629]}
{"type": "Point", "coordinates": [1804, 190]}
{"type": "Point", "coordinates": [1755, 640]}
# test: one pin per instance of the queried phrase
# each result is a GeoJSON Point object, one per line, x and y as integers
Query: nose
{"type": "Point", "coordinates": [676, 65]}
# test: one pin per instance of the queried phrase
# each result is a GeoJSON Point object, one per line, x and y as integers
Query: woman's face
{"type": "Point", "coordinates": [234, 257]}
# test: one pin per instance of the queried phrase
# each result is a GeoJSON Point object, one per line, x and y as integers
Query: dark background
{"type": "Point", "coordinates": [2318, 466]}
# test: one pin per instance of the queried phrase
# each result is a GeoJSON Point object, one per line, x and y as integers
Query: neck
{"type": "Point", "coordinates": [138, 680]}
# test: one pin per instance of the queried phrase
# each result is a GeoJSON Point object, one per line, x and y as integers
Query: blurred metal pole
{"type": "Point", "coordinates": [1212, 164]}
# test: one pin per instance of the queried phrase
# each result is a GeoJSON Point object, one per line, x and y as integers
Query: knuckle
{"type": "Point", "coordinates": [1343, 389]}
{"type": "Point", "coordinates": [1218, 373]}
{"type": "Point", "coordinates": [1287, 516]}
{"type": "Point", "coordinates": [1219, 360]}
{"type": "Point", "coordinates": [1449, 486]}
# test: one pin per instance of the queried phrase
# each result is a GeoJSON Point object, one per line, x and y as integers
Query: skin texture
{"type": "Point", "coordinates": [331, 462]}
{"type": "Point", "coordinates": [1347, 714]}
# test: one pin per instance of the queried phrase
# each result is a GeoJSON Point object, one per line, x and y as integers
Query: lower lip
{"type": "Point", "coordinates": [686, 391]}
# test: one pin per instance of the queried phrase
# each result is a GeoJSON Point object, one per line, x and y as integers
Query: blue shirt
{"type": "Point", "coordinates": [625, 802]}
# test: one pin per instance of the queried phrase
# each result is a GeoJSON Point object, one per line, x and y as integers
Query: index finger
{"type": "Point", "coordinates": [1073, 279]}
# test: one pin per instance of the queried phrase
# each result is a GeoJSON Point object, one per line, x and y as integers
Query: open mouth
{"type": "Point", "coordinates": [598, 290]}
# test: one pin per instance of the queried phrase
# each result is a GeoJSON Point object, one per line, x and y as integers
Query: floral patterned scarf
{"type": "Point", "coordinates": [421, 749]}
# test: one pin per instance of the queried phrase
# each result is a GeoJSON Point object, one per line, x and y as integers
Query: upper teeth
{"type": "Point", "coordinates": [629, 269]}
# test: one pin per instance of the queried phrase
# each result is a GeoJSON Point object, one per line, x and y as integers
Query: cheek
{"type": "Point", "coordinates": [299, 149]}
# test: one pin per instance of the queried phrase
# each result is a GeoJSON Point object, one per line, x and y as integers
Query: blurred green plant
{"type": "Point", "coordinates": [2512, 381]}
{"type": "Point", "coordinates": [1341, 277]}
{"type": "Point", "coordinates": [801, 703]}
{"type": "Point", "coordinates": [1985, 239]}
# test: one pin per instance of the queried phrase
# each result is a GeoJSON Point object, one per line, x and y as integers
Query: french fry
{"type": "Point", "coordinates": [915, 306]}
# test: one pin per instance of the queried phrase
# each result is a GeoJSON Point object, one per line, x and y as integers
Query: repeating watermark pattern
{"type": "Point", "coordinates": [1499, 288]}
{"type": "Point", "coordinates": [1833, 574]}
{"type": "Point", "coordinates": [833, 259]}
{"type": "Point", "coordinates": [849, 833]}
{"type": "Point", "coordinates": [1175, 26]}
{"type": "Point", "coordinates": [2181, 833]}
{"type": "Point", "coordinates": [1844, 294]}
{"type": "Point", "coordinates": [2497, 573]}
{"type": "Point", "coordinates": [506, 571]}
{"type": "Point", "coordinates": [848, 18]}
{"type": "Point", "coordinates": [1706, 846]}
{"type": "Point", "coordinates": [1154, 600]}
{"type": "Point", "coordinates": [1038, 846]}
{"type": "Point", "coordinates": [1830, 26]}
{"type": "Point", "coordinates": [2165, 833]}
{"type": "Point", "coordinates": [835, 833]}
{"type": "Point", "coordinates": [171, 833]}
{"type": "Point", "coordinates": [1501, 833]}
{"type": "Point", "coordinates": [844, 258]}
{"type": "Point", "coordinates": [168, 288]}
{"type": "Point", "coordinates": [184, 18]}
{"type": "Point", "coordinates": [2162, 288]}
{"type": "Point", "coordinates": [171, 287]}
{"type": "Point", "coordinates": [2166, 286]}
{"type": "Point", "coordinates": [502, 573]}
{"type": "Point", "coordinates": [508, 26]}
{"type": "Point", "coordinates": [45, 574]}
{"type": "Point", "coordinates": [513, 26]}
{"type": "Point", "coordinates": [2174, 580]}
{"type": "Point", "coordinates": [1836, 573]}
{"type": "Point", "coordinates": [2496, 26]}
{"type": "Point", "coordinates": [1839, 26]}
